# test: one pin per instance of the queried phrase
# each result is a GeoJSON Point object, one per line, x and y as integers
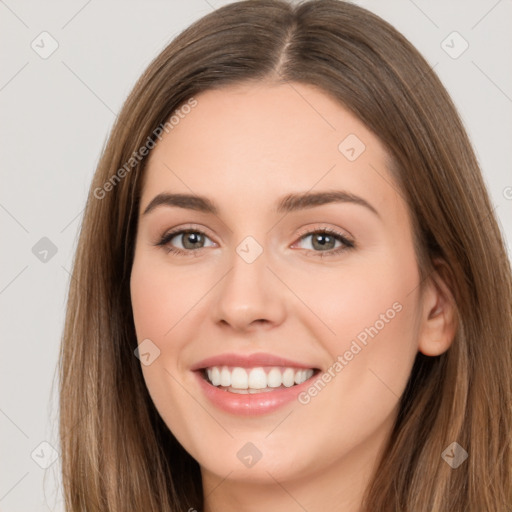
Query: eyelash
{"type": "Point", "coordinates": [347, 244]}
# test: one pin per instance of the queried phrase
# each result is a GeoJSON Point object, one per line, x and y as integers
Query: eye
{"type": "Point", "coordinates": [190, 239]}
{"type": "Point", "coordinates": [325, 241]}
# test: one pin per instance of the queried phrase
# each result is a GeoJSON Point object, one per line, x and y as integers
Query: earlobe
{"type": "Point", "coordinates": [439, 314]}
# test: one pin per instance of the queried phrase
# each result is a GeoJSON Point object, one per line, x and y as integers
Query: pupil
{"type": "Point", "coordinates": [323, 239]}
{"type": "Point", "coordinates": [192, 238]}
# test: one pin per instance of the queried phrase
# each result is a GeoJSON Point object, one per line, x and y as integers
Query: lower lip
{"type": "Point", "coordinates": [251, 404]}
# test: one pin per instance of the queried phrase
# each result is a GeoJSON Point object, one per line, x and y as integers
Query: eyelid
{"type": "Point", "coordinates": [187, 227]}
{"type": "Point", "coordinates": [323, 228]}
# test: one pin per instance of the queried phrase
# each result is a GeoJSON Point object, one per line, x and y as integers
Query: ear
{"type": "Point", "coordinates": [439, 318]}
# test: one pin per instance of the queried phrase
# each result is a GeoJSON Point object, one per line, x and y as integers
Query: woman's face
{"type": "Point", "coordinates": [262, 296]}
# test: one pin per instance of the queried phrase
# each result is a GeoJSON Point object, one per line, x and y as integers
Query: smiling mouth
{"type": "Point", "coordinates": [261, 379]}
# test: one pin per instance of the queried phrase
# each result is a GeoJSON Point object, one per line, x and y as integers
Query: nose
{"type": "Point", "coordinates": [249, 296]}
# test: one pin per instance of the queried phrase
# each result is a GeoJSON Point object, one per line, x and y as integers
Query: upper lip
{"type": "Point", "coordinates": [248, 361]}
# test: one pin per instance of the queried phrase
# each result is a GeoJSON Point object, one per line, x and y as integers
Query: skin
{"type": "Point", "coordinates": [244, 147]}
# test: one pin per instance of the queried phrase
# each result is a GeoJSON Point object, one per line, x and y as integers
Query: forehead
{"type": "Point", "coordinates": [261, 140]}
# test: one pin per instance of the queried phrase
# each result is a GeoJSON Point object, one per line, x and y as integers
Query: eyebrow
{"type": "Point", "coordinates": [286, 204]}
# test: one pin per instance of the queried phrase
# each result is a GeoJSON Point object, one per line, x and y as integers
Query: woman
{"type": "Point", "coordinates": [290, 290]}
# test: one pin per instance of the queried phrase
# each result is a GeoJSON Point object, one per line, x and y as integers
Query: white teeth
{"type": "Point", "coordinates": [225, 377]}
{"type": "Point", "coordinates": [288, 378]}
{"type": "Point", "coordinates": [274, 379]}
{"type": "Point", "coordinates": [214, 376]}
{"type": "Point", "coordinates": [257, 379]}
{"type": "Point", "coordinates": [242, 380]}
{"type": "Point", "coordinates": [239, 379]}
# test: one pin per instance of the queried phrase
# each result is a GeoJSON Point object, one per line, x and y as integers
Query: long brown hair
{"type": "Point", "coordinates": [117, 453]}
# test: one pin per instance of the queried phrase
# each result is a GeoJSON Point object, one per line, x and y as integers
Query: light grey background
{"type": "Point", "coordinates": [56, 115]}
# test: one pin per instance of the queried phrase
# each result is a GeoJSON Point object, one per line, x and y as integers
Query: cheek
{"type": "Point", "coordinates": [372, 352]}
{"type": "Point", "coordinates": [161, 296]}
{"type": "Point", "coordinates": [367, 298]}
{"type": "Point", "coordinates": [371, 310]}
{"type": "Point", "coordinates": [161, 300]}
{"type": "Point", "coordinates": [374, 318]}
